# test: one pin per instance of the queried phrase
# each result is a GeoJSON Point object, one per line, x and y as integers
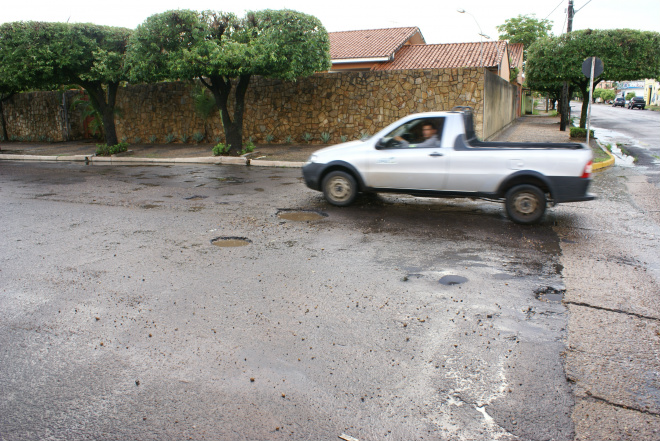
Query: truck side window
{"type": "Point", "coordinates": [419, 133]}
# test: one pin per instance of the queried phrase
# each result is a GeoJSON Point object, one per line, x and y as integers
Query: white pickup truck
{"type": "Point", "coordinates": [437, 154]}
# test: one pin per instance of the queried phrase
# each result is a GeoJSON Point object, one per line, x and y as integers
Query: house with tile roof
{"type": "Point", "coordinates": [362, 50]}
{"type": "Point", "coordinates": [516, 51]}
{"type": "Point", "coordinates": [493, 55]}
{"type": "Point", "coordinates": [405, 48]}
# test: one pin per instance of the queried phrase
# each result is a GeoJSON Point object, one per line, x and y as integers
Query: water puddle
{"type": "Point", "coordinates": [232, 180]}
{"type": "Point", "coordinates": [550, 294]}
{"type": "Point", "coordinates": [231, 242]}
{"type": "Point", "coordinates": [301, 215]}
{"type": "Point", "coordinates": [615, 140]}
{"type": "Point", "coordinates": [452, 280]}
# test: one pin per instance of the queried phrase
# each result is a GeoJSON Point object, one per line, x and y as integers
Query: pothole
{"type": "Point", "coordinates": [231, 242]}
{"type": "Point", "coordinates": [301, 215]}
{"type": "Point", "coordinates": [453, 280]}
{"type": "Point", "coordinates": [550, 294]}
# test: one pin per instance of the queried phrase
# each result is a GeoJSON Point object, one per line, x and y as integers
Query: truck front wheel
{"type": "Point", "coordinates": [339, 188]}
{"type": "Point", "coordinates": [525, 204]}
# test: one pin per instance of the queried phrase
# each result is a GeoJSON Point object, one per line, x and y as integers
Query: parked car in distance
{"type": "Point", "coordinates": [406, 157]}
{"type": "Point", "coordinates": [619, 102]}
{"type": "Point", "coordinates": [637, 102]}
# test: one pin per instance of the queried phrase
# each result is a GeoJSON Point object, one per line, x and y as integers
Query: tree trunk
{"type": "Point", "coordinates": [584, 89]}
{"type": "Point", "coordinates": [221, 89]}
{"type": "Point", "coordinates": [4, 98]}
{"type": "Point", "coordinates": [104, 103]}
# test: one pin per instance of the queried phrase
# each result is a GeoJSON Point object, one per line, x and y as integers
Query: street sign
{"type": "Point", "coordinates": [586, 67]}
{"type": "Point", "coordinates": [591, 68]}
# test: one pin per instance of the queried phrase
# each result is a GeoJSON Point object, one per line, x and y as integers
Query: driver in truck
{"type": "Point", "coordinates": [429, 132]}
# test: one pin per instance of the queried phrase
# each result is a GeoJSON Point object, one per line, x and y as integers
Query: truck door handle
{"type": "Point", "coordinates": [435, 154]}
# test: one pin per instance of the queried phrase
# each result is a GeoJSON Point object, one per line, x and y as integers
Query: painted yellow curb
{"type": "Point", "coordinates": [603, 165]}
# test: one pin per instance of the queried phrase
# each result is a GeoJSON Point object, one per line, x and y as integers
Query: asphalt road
{"type": "Point", "coordinates": [120, 319]}
{"type": "Point", "coordinates": [638, 131]}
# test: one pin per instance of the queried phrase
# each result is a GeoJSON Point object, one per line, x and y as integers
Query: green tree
{"type": "Point", "coordinates": [38, 55]}
{"type": "Point", "coordinates": [626, 54]}
{"type": "Point", "coordinates": [608, 95]}
{"type": "Point", "coordinates": [525, 29]}
{"type": "Point", "coordinates": [223, 52]}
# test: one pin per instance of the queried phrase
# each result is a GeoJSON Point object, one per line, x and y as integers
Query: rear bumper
{"type": "Point", "coordinates": [570, 189]}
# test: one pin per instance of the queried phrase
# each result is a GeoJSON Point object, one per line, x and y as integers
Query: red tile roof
{"type": "Point", "coordinates": [516, 53]}
{"type": "Point", "coordinates": [436, 56]}
{"type": "Point", "coordinates": [374, 43]}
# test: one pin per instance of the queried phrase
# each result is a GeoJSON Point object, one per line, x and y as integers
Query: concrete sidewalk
{"type": "Point", "coordinates": [264, 155]}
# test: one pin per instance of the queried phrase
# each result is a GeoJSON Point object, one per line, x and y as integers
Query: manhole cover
{"type": "Point", "coordinates": [453, 280]}
{"type": "Point", "coordinates": [231, 242]}
{"type": "Point", "coordinates": [301, 215]}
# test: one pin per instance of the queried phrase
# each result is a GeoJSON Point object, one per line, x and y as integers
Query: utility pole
{"type": "Point", "coordinates": [565, 104]}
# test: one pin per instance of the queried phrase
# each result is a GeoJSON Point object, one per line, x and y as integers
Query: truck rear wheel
{"type": "Point", "coordinates": [340, 188]}
{"type": "Point", "coordinates": [525, 204]}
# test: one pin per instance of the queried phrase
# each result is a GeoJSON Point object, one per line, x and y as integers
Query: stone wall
{"type": "Point", "coordinates": [40, 116]}
{"type": "Point", "coordinates": [345, 105]}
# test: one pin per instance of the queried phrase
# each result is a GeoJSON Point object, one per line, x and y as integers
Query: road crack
{"type": "Point", "coordinates": [618, 311]}
{"type": "Point", "coordinates": [620, 406]}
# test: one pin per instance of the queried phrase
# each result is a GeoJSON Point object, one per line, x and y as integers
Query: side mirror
{"type": "Point", "coordinates": [381, 144]}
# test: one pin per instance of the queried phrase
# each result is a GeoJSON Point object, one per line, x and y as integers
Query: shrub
{"type": "Point", "coordinates": [343, 138]}
{"type": "Point", "coordinates": [217, 139]}
{"type": "Point", "coordinates": [579, 132]}
{"type": "Point", "coordinates": [198, 137]}
{"type": "Point", "coordinates": [185, 138]}
{"type": "Point", "coordinates": [269, 138]}
{"type": "Point", "coordinates": [307, 137]}
{"type": "Point", "coordinates": [248, 147]}
{"type": "Point", "coordinates": [169, 138]}
{"type": "Point", "coordinates": [153, 139]}
{"type": "Point", "coordinates": [325, 137]}
{"type": "Point", "coordinates": [137, 140]}
{"type": "Point", "coordinates": [288, 139]}
{"type": "Point", "coordinates": [220, 149]}
{"type": "Point", "coordinates": [105, 150]}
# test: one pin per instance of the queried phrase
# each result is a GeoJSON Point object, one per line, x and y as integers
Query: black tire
{"type": "Point", "coordinates": [340, 188]}
{"type": "Point", "coordinates": [525, 204]}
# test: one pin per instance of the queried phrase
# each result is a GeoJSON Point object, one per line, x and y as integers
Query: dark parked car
{"type": "Point", "coordinates": [637, 101]}
{"type": "Point", "coordinates": [619, 102]}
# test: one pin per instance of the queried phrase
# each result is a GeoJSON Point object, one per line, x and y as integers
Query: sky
{"type": "Point", "coordinates": [438, 20]}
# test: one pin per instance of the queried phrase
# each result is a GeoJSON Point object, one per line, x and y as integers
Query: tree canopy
{"type": "Point", "coordinates": [626, 54]}
{"type": "Point", "coordinates": [525, 29]}
{"type": "Point", "coordinates": [40, 55]}
{"type": "Point", "coordinates": [223, 51]}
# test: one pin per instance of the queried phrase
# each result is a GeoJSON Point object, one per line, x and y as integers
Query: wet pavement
{"type": "Point", "coordinates": [122, 314]}
{"type": "Point", "coordinates": [392, 319]}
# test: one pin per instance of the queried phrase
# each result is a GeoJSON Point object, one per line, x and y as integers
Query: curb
{"type": "Point", "coordinates": [605, 164]}
{"type": "Point", "coordinates": [216, 160]}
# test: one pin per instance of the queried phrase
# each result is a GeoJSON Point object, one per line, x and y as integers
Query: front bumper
{"type": "Point", "coordinates": [311, 172]}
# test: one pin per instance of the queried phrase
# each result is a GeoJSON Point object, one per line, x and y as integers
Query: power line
{"type": "Point", "coordinates": [562, 1]}
{"type": "Point", "coordinates": [582, 7]}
